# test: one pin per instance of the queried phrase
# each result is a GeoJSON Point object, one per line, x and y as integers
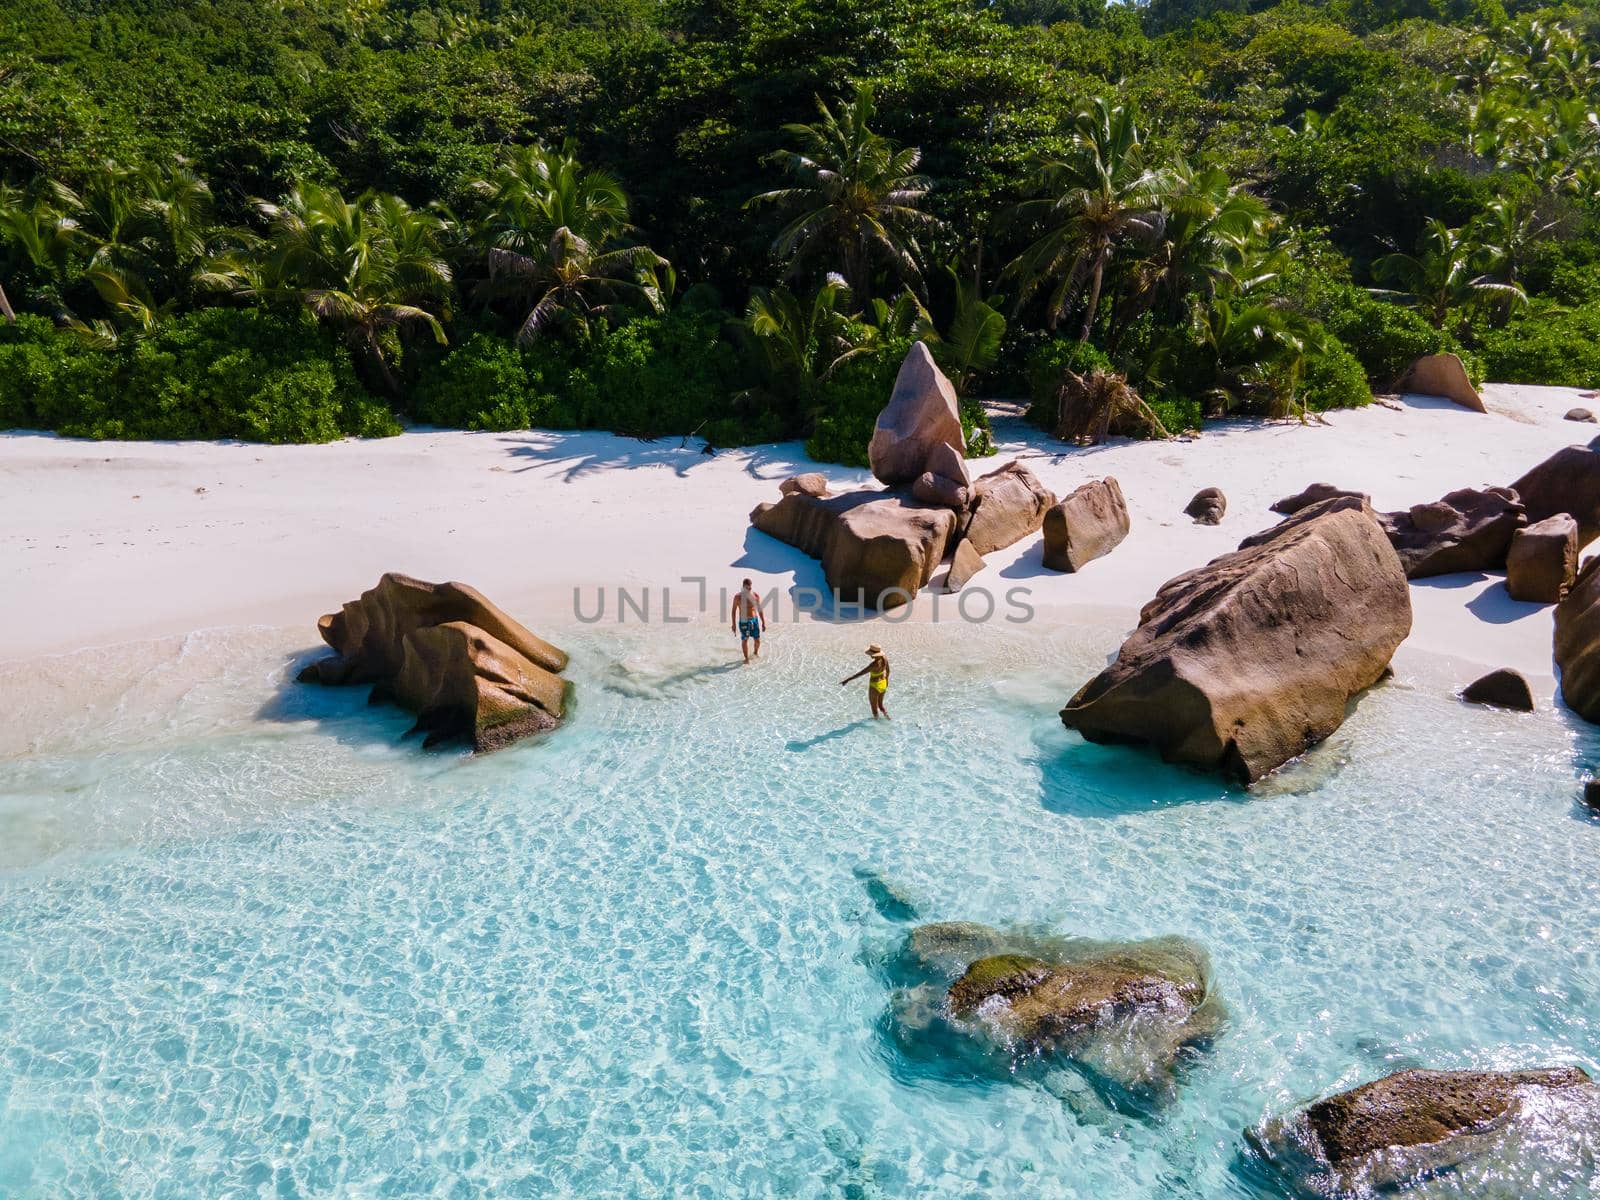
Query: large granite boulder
{"type": "Point", "coordinates": [1577, 643]}
{"type": "Point", "coordinates": [1566, 482]}
{"type": "Point", "coordinates": [1468, 530]}
{"type": "Point", "coordinates": [1416, 1124]}
{"type": "Point", "coordinates": [876, 548]}
{"type": "Point", "coordinates": [445, 653]}
{"type": "Point", "coordinates": [1247, 662]}
{"type": "Point", "coordinates": [1085, 525]}
{"type": "Point", "coordinates": [922, 414]}
{"type": "Point", "coordinates": [1207, 506]}
{"type": "Point", "coordinates": [1315, 494]}
{"type": "Point", "coordinates": [1442, 375]}
{"type": "Point", "coordinates": [1504, 688]}
{"type": "Point", "coordinates": [1584, 415]}
{"type": "Point", "coordinates": [1543, 560]}
{"type": "Point", "coordinates": [1126, 1013]}
{"type": "Point", "coordinates": [1007, 505]}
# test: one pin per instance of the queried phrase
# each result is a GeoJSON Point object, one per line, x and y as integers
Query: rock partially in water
{"type": "Point", "coordinates": [1577, 643]}
{"type": "Point", "coordinates": [1250, 660]}
{"type": "Point", "coordinates": [1085, 525]}
{"type": "Point", "coordinates": [1488, 1128]}
{"type": "Point", "coordinates": [1127, 1014]}
{"type": "Point", "coordinates": [1469, 529]}
{"type": "Point", "coordinates": [1543, 560]}
{"type": "Point", "coordinates": [1566, 482]}
{"type": "Point", "coordinates": [1207, 507]}
{"type": "Point", "coordinates": [443, 652]}
{"type": "Point", "coordinates": [1504, 688]}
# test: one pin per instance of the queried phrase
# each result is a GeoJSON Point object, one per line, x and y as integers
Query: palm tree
{"type": "Point", "coordinates": [804, 340]}
{"type": "Point", "coordinates": [1260, 353]}
{"type": "Point", "coordinates": [557, 236]}
{"type": "Point", "coordinates": [1213, 238]}
{"type": "Point", "coordinates": [37, 230]}
{"type": "Point", "coordinates": [1445, 274]}
{"type": "Point", "coordinates": [367, 266]}
{"type": "Point", "coordinates": [1100, 195]}
{"type": "Point", "coordinates": [856, 200]}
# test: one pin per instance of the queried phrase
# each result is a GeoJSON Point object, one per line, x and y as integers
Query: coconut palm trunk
{"type": "Point", "coordinates": [5, 307]}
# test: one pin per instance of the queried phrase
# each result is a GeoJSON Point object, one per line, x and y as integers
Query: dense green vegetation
{"type": "Point", "coordinates": [300, 219]}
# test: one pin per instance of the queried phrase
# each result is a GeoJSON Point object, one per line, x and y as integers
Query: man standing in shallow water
{"type": "Point", "coordinates": [748, 619]}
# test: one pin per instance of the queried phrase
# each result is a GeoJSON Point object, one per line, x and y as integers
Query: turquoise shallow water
{"type": "Point", "coordinates": [249, 946]}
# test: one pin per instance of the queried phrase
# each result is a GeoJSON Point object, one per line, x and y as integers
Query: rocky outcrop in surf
{"type": "Point", "coordinates": [1413, 1125]}
{"type": "Point", "coordinates": [1126, 1014]}
{"type": "Point", "coordinates": [444, 652]}
{"type": "Point", "coordinates": [1577, 643]}
{"type": "Point", "coordinates": [1252, 659]}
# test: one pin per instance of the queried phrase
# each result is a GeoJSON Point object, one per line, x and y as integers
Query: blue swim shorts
{"type": "Point", "coordinates": [749, 627]}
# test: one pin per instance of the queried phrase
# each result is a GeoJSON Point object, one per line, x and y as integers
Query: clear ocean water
{"type": "Point", "coordinates": [252, 945]}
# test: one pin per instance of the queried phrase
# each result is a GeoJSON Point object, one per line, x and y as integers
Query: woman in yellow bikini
{"type": "Point", "coordinates": [877, 673]}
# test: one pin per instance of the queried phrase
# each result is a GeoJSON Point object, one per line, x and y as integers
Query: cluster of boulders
{"type": "Point", "coordinates": [1533, 530]}
{"type": "Point", "coordinates": [879, 547]}
{"type": "Point", "coordinates": [445, 653]}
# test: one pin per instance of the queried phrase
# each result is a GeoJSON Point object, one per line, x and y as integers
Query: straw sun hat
{"type": "Point", "coordinates": [874, 649]}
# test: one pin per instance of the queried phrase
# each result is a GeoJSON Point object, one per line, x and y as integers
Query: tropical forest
{"type": "Point", "coordinates": [300, 220]}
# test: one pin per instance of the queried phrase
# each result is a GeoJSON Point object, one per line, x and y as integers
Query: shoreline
{"type": "Point", "coordinates": [115, 543]}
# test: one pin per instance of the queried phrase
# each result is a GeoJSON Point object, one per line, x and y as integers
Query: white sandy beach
{"type": "Point", "coordinates": [111, 542]}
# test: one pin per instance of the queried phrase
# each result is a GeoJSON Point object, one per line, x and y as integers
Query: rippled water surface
{"type": "Point", "coordinates": [252, 945]}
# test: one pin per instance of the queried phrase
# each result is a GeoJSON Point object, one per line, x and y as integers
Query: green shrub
{"type": "Point", "coordinates": [487, 382]}
{"type": "Point", "coordinates": [851, 401]}
{"type": "Point", "coordinates": [1045, 366]}
{"type": "Point", "coordinates": [1385, 338]}
{"type": "Point", "coordinates": [215, 373]}
{"type": "Point", "coordinates": [1180, 414]}
{"type": "Point", "coordinates": [660, 375]}
{"type": "Point", "coordinates": [856, 393]}
{"type": "Point", "coordinates": [1549, 345]}
{"type": "Point", "coordinates": [1335, 379]}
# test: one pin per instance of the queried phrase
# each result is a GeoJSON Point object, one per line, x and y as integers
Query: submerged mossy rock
{"type": "Point", "coordinates": [1414, 1124]}
{"type": "Point", "coordinates": [1124, 1013]}
{"type": "Point", "coordinates": [445, 653]}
